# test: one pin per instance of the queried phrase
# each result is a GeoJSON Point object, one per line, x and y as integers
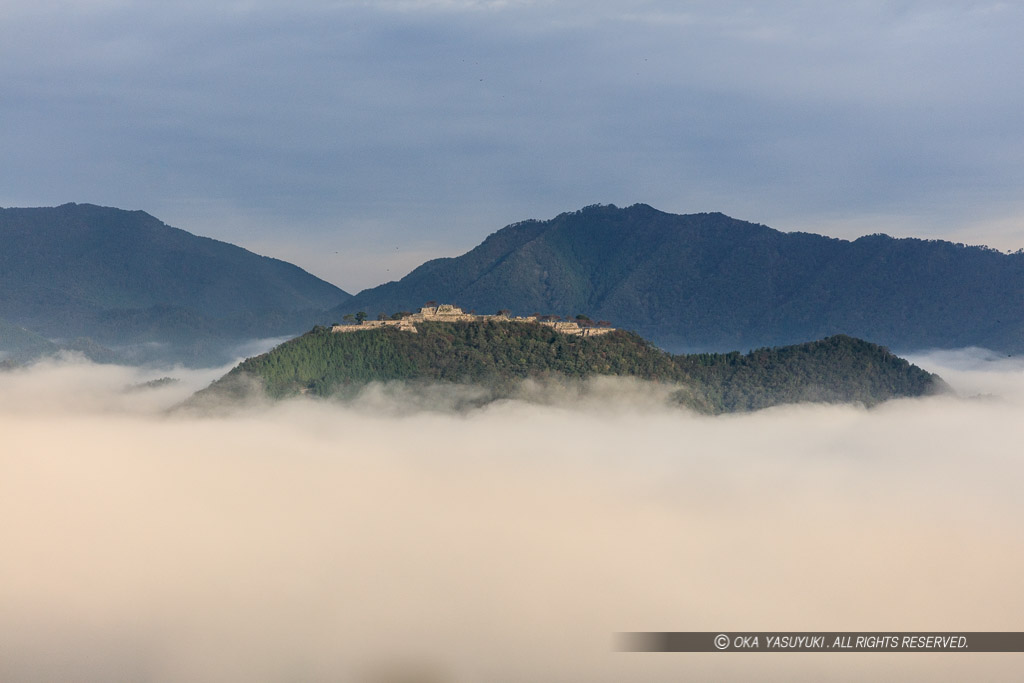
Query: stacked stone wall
{"type": "Point", "coordinates": [450, 313]}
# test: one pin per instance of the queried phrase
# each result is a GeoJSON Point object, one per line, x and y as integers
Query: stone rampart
{"type": "Point", "coordinates": [450, 313]}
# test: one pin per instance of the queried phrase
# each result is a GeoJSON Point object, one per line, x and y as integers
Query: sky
{"type": "Point", "coordinates": [358, 139]}
{"type": "Point", "coordinates": [381, 542]}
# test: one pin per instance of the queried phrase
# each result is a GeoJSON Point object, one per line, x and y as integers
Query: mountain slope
{"type": "Point", "coordinates": [710, 282]}
{"type": "Point", "coordinates": [125, 277]}
{"type": "Point", "coordinates": [17, 342]}
{"type": "Point", "coordinates": [499, 355]}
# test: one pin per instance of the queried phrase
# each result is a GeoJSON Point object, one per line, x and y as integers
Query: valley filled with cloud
{"type": "Point", "coordinates": [384, 540]}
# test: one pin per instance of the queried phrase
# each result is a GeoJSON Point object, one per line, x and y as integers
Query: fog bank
{"type": "Point", "coordinates": [315, 541]}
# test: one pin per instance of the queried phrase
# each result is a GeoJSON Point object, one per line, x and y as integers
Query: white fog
{"type": "Point", "coordinates": [378, 541]}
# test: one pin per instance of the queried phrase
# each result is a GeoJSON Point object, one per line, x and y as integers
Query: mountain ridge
{"type": "Point", "coordinates": [125, 277]}
{"type": "Point", "coordinates": [706, 281]}
{"type": "Point", "coordinates": [697, 282]}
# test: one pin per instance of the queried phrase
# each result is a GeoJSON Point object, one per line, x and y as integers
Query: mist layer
{"type": "Point", "coordinates": [314, 541]}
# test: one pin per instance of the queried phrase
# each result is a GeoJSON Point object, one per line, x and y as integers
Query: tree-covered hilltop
{"type": "Point", "coordinates": [498, 355]}
{"type": "Point", "coordinates": [838, 369]}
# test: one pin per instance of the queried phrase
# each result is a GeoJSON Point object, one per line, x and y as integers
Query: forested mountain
{"type": "Point", "coordinates": [123, 277]}
{"type": "Point", "coordinates": [710, 282]}
{"type": "Point", "coordinates": [100, 277]}
{"type": "Point", "coordinates": [499, 355]}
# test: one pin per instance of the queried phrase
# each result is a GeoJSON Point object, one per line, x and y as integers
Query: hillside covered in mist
{"type": "Point", "coordinates": [123, 277]}
{"type": "Point", "coordinates": [498, 356]}
{"type": "Point", "coordinates": [708, 282]}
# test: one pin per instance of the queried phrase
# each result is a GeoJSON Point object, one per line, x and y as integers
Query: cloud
{"type": "Point", "coordinates": [314, 541]}
{"type": "Point", "coordinates": [976, 372]}
{"type": "Point", "coordinates": [445, 5]}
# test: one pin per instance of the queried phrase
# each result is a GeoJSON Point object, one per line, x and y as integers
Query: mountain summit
{"type": "Point", "coordinates": [124, 277]}
{"type": "Point", "coordinates": [711, 282]}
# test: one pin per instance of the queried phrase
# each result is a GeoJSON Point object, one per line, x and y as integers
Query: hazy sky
{"type": "Point", "coordinates": [358, 139]}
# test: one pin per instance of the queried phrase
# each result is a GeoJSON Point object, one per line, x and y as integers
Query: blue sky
{"type": "Point", "coordinates": [358, 139]}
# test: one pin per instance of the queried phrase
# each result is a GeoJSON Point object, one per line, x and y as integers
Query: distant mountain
{"type": "Point", "coordinates": [18, 343]}
{"type": "Point", "coordinates": [19, 346]}
{"type": "Point", "coordinates": [497, 356]}
{"type": "Point", "coordinates": [710, 282]}
{"type": "Point", "coordinates": [123, 277]}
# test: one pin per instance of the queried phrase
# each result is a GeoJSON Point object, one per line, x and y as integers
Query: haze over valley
{"type": "Point", "coordinates": [417, 532]}
{"type": "Point", "coordinates": [386, 537]}
{"type": "Point", "coordinates": [442, 341]}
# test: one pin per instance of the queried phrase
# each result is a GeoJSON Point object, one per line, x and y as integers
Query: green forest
{"type": "Point", "coordinates": [499, 355]}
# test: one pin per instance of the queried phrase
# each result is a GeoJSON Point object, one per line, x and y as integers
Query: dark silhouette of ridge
{"type": "Point", "coordinates": [124, 277]}
{"type": "Point", "coordinates": [710, 282]}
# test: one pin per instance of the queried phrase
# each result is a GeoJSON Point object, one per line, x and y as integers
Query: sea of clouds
{"type": "Point", "coordinates": [394, 540]}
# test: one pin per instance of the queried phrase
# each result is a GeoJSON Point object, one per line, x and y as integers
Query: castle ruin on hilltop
{"type": "Point", "coordinates": [447, 313]}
